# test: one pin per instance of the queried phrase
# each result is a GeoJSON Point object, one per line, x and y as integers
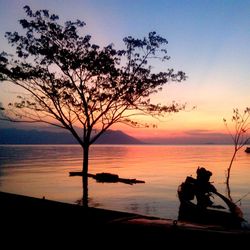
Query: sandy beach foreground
{"type": "Point", "coordinates": [36, 222]}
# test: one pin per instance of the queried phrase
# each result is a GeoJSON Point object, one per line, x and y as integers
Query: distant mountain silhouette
{"type": "Point", "coordinates": [117, 137]}
{"type": "Point", "coordinates": [19, 136]}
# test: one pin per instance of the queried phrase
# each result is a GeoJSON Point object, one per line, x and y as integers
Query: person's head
{"type": "Point", "coordinates": [203, 174]}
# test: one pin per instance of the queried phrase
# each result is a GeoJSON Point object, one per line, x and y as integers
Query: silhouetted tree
{"type": "Point", "coordinates": [72, 83]}
{"type": "Point", "coordinates": [240, 137]}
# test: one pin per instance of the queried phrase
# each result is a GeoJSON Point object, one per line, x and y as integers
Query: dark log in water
{"type": "Point", "coordinates": [108, 177]}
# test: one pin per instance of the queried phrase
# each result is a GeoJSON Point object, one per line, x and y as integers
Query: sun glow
{"type": "Point", "coordinates": [213, 50]}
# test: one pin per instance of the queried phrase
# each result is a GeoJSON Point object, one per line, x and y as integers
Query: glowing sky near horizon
{"type": "Point", "coordinates": [209, 40]}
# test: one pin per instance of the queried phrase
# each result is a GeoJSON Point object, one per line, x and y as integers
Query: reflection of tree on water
{"type": "Point", "coordinates": [102, 178]}
{"type": "Point", "coordinates": [85, 192]}
{"type": "Point", "coordinates": [25, 159]}
{"type": "Point", "coordinates": [100, 153]}
{"type": "Point", "coordinates": [91, 202]}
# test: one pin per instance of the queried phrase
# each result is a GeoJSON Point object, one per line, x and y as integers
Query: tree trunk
{"type": "Point", "coordinates": [85, 175]}
{"type": "Point", "coordinates": [228, 176]}
{"type": "Point", "coordinates": [85, 164]}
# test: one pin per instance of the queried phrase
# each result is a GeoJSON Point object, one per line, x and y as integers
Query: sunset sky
{"type": "Point", "coordinates": [208, 39]}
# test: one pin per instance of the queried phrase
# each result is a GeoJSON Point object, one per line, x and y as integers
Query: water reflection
{"type": "Point", "coordinates": [44, 171]}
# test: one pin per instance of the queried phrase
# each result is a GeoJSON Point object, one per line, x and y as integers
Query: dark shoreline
{"type": "Point", "coordinates": [31, 218]}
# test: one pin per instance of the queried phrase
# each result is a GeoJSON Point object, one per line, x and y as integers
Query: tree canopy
{"type": "Point", "coordinates": [70, 82]}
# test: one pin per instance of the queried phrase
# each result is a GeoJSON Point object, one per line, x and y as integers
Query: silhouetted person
{"type": "Point", "coordinates": [203, 187]}
{"type": "Point", "coordinates": [199, 188]}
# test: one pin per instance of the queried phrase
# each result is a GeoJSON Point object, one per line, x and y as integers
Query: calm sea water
{"type": "Point", "coordinates": [43, 170]}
